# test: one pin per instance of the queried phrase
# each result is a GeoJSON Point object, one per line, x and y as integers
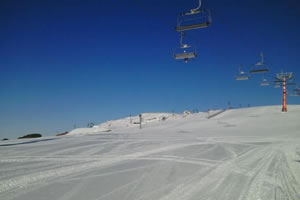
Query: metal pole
{"type": "Point", "coordinates": [140, 121]}
{"type": "Point", "coordinates": [284, 107]}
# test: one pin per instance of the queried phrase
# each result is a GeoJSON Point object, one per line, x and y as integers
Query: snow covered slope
{"type": "Point", "coordinates": [242, 154]}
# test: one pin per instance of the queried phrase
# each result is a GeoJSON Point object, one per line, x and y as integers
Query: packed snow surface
{"type": "Point", "coordinates": [240, 154]}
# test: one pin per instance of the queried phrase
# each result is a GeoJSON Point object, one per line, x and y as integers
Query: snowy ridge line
{"type": "Point", "coordinates": [26, 180]}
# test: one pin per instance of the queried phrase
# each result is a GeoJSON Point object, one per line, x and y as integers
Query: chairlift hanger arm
{"type": "Point", "coordinates": [182, 45]}
{"type": "Point", "coordinates": [196, 9]}
{"type": "Point", "coordinates": [262, 59]}
{"type": "Point", "coordinates": [181, 39]}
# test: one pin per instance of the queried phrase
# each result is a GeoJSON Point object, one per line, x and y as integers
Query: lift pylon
{"type": "Point", "coordinates": [283, 77]}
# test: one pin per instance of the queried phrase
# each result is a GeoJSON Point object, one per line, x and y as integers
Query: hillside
{"type": "Point", "coordinates": [240, 154]}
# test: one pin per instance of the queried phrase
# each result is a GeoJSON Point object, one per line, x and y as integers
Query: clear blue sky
{"type": "Point", "coordinates": [66, 62]}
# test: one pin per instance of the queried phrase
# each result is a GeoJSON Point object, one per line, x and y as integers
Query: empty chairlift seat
{"type": "Point", "coordinates": [184, 51]}
{"type": "Point", "coordinates": [260, 67]}
{"type": "Point", "coordinates": [193, 20]}
{"type": "Point", "coordinates": [242, 75]}
{"type": "Point", "coordinates": [264, 83]}
{"type": "Point", "coordinates": [185, 54]}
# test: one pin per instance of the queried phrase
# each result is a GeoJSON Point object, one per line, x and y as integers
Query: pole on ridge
{"type": "Point", "coordinates": [284, 107]}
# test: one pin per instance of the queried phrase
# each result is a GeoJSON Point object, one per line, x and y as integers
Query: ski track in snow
{"type": "Point", "coordinates": [197, 159]}
{"type": "Point", "coordinates": [24, 181]}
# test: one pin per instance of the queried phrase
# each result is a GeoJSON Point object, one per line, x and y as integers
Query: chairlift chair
{"type": "Point", "coordinates": [185, 55]}
{"type": "Point", "coordinates": [264, 81]}
{"type": "Point", "coordinates": [277, 85]}
{"type": "Point", "coordinates": [259, 67]}
{"type": "Point", "coordinates": [194, 19]}
{"type": "Point", "coordinates": [242, 75]}
{"type": "Point", "coordinates": [297, 89]}
{"type": "Point", "coordinates": [290, 83]}
{"type": "Point", "coordinates": [295, 94]}
{"type": "Point", "coordinates": [185, 51]}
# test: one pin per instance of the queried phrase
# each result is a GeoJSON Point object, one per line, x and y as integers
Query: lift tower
{"type": "Point", "coordinates": [284, 78]}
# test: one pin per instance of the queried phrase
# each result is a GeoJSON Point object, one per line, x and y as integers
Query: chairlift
{"type": "Point", "coordinates": [259, 67]}
{"type": "Point", "coordinates": [277, 85]}
{"type": "Point", "coordinates": [295, 94]}
{"type": "Point", "coordinates": [297, 89]}
{"type": "Point", "coordinates": [264, 81]}
{"type": "Point", "coordinates": [278, 81]}
{"type": "Point", "coordinates": [185, 51]}
{"type": "Point", "coordinates": [242, 75]}
{"type": "Point", "coordinates": [290, 83]}
{"type": "Point", "coordinates": [194, 19]}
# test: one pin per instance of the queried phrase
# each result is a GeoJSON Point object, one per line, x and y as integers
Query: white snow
{"type": "Point", "coordinates": [240, 154]}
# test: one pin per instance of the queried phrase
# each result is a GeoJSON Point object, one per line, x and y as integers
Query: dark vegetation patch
{"type": "Point", "coordinates": [33, 135]}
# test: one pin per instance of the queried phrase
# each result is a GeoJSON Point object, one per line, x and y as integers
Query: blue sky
{"type": "Point", "coordinates": [73, 62]}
